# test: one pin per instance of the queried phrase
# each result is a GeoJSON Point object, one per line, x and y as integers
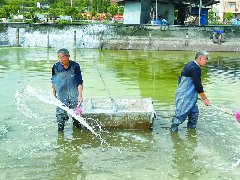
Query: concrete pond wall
{"type": "Point", "coordinates": [132, 37]}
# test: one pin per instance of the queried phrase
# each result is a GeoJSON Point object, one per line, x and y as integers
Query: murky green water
{"type": "Point", "coordinates": [33, 149]}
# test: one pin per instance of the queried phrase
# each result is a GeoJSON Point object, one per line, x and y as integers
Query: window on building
{"type": "Point", "coordinates": [232, 5]}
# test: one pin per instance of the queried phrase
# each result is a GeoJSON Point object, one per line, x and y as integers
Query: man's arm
{"type": "Point", "coordinates": [80, 89]}
{"type": "Point", "coordinates": [204, 98]}
{"type": "Point", "coordinates": [53, 88]}
{"type": "Point", "coordinates": [54, 91]}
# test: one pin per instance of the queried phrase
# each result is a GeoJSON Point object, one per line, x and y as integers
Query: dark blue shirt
{"type": "Point", "coordinates": [58, 68]}
{"type": "Point", "coordinates": [194, 71]}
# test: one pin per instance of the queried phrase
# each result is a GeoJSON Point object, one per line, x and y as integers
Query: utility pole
{"type": "Point", "coordinates": [199, 13]}
{"type": "Point", "coordinates": [156, 10]}
{"type": "Point", "coordinates": [71, 3]}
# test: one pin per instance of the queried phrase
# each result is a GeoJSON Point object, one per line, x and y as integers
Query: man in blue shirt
{"type": "Point", "coordinates": [164, 24]}
{"type": "Point", "coordinates": [189, 86]}
{"type": "Point", "coordinates": [67, 85]}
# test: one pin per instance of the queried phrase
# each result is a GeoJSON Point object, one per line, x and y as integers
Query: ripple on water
{"type": "Point", "coordinates": [4, 129]}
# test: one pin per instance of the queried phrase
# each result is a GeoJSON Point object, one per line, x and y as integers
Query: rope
{"type": "Point", "coordinates": [104, 83]}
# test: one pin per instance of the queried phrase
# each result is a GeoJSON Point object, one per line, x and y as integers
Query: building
{"type": "Point", "coordinates": [43, 5]}
{"type": "Point", "coordinates": [145, 11]}
{"type": "Point", "coordinates": [225, 6]}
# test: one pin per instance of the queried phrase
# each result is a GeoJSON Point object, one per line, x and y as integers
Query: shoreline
{"type": "Point", "coordinates": [170, 44]}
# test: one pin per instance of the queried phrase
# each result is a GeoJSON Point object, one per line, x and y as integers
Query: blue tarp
{"type": "Point", "coordinates": [236, 22]}
{"type": "Point", "coordinates": [218, 31]}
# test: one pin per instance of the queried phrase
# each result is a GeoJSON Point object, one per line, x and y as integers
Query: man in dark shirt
{"type": "Point", "coordinates": [67, 86]}
{"type": "Point", "coordinates": [189, 86]}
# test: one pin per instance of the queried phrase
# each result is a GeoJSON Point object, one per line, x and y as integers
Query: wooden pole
{"type": "Point", "coordinates": [47, 39]}
{"type": "Point", "coordinates": [156, 10]}
{"type": "Point", "coordinates": [17, 38]}
{"type": "Point", "coordinates": [75, 38]}
{"type": "Point", "coordinates": [199, 13]}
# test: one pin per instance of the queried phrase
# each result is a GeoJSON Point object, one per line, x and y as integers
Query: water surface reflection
{"type": "Point", "coordinates": [184, 153]}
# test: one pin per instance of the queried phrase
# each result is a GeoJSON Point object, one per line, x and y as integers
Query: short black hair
{"type": "Point", "coordinates": [64, 51]}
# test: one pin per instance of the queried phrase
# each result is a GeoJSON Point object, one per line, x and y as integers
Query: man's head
{"type": "Point", "coordinates": [63, 56]}
{"type": "Point", "coordinates": [201, 58]}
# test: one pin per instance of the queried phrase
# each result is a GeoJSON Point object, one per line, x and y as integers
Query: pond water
{"type": "Point", "coordinates": [31, 147]}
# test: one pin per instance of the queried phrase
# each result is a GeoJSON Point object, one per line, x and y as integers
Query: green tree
{"type": "Point", "coordinates": [105, 5]}
{"type": "Point", "coordinates": [71, 11]}
{"type": "Point", "coordinates": [82, 5]}
{"type": "Point", "coordinates": [58, 4]}
{"type": "Point", "coordinates": [228, 16]}
{"type": "Point", "coordinates": [211, 16]}
{"type": "Point", "coordinates": [28, 3]}
{"type": "Point", "coordinates": [2, 2]}
{"type": "Point", "coordinates": [52, 1]}
{"type": "Point", "coordinates": [32, 11]}
{"type": "Point", "coordinates": [55, 12]}
{"type": "Point", "coordinates": [94, 6]}
{"type": "Point", "coordinates": [4, 12]}
{"type": "Point", "coordinates": [120, 9]}
{"type": "Point", "coordinates": [100, 6]}
{"type": "Point", "coordinates": [10, 9]}
{"type": "Point", "coordinates": [113, 10]}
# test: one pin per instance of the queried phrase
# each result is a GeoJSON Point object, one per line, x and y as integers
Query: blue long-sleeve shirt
{"type": "Point", "coordinates": [66, 81]}
{"type": "Point", "coordinates": [58, 68]}
{"type": "Point", "coordinates": [193, 70]}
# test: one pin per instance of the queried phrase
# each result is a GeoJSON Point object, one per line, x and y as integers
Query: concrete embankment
{"type": "Point", "coordinates": [130, 37]}
{"type": "Point", "coordinates": [178, 38]}
{"type": "Point", "coordinates": [172, 44]}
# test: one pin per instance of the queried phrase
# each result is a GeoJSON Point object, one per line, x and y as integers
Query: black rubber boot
{"type": "Point", "coordinates": [76, 123]}
{"type": "Point", "coordinates": [174, 128]}
{"type": "Point", "coordinates": [60, 127]}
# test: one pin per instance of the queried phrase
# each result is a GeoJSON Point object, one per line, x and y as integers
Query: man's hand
{"type": "Point", "coordinates": [206, 102]}
{"type": "Point", "coordinates": [205, 99]}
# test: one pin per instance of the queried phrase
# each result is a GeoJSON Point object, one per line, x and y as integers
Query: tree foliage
{"type": "Point", "coordinates": [58, 7]}
{"type": "Point", "coordinates": [228, 16]}
{"type": "Point", "coordinates": [10, 9]}
{"type": "Point", "coordinates": [212, 18]}
{"type": "Point", "coordinates": [113, 9]}
{"type": "Point", "coordinates": [70, 11]}
{"type": "Point", "coordinates": [2, 2]}
{"type": "Point", "coordinates": [59, 4]}
{"type": "Point", "coordinates": [211, 15]}
{"type": "Point", "coordinates": [120, 9]}
{"type": "Point", "coordinates": [100, 6]}
{"type": "Point", "coordinates": [82, 5]}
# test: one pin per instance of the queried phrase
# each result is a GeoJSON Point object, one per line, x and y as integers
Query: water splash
{"type": "Point", "coordinates": [46, 97]}
{"type": "Point", "coordinates": [20, 97]}
{"type": "Point", "coordinates": [236, 164]}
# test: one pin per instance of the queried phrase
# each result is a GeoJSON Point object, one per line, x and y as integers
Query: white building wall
{"type": "Point", "coordinates": [223, 7]}
{"type": "Point", "coordinates": [218, 9]}
{"type": "Point", "coordinates": [132, 12]}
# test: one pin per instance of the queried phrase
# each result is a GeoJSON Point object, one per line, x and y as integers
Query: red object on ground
{"type": "Point", "coordinates": [237, 115]}
{"type": "Point", "coordinates": [118, 17]}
